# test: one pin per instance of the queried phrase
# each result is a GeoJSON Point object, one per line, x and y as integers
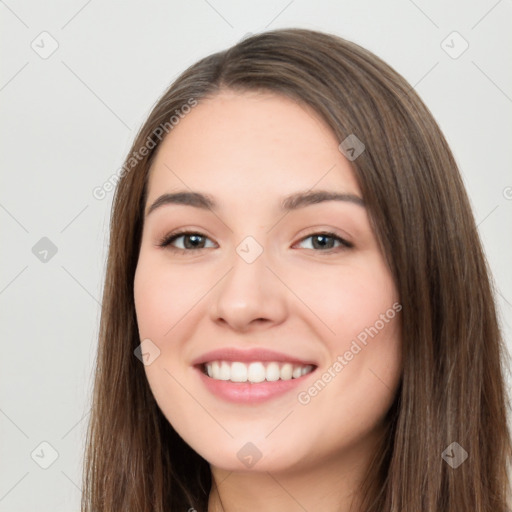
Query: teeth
{"type": "Point", "coordinates": [225, 371]}
{"type": "Point", "coordinates": [273, 372]}
{"type": "Point", "coordinates": [286, 371]}
{"type": "Point", "coordinates": [256, 371]}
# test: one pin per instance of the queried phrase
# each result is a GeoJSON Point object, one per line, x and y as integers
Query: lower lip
{"type": "Point", "coordinates": [247, 392]}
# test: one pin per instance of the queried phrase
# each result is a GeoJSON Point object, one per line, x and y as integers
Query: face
{"type": "Point", "coordinates": [272, 326]}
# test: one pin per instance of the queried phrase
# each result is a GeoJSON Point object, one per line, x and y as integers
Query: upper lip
{"type": "Point", "coordinates": [249, 355]}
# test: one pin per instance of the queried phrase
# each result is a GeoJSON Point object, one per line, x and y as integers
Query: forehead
{"type": "Point", "coordinates": [257, 143]}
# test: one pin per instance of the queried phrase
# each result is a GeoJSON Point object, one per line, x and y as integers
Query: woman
{"type": "Point", "coordinates": [297, 312]}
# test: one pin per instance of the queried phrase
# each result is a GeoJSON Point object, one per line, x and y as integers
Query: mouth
{"type": "Point", "coordinates": [254, 372]}
{"type": "Point", "coordinates": [252, 376]}
{"type": "Point", "coordinates": [252, 383]}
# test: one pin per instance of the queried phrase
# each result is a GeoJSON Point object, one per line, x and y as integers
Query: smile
{"type": "Point", "coordinates": [247, 383]}
{"type": "Point", "coordinates": [256, 371]}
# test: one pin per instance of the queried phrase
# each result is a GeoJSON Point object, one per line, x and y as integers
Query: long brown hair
{"type": "Point", "coordinates": [452, 387]}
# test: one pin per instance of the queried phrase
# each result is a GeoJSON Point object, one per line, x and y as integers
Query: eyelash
{"type": "Point", "coordinates": [166, 241]}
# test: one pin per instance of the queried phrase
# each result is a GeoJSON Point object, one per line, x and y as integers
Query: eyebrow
{"type": "Point", "coordinates": [289, 203]}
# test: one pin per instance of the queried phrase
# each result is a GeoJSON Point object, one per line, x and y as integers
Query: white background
{"type": "Point", "coordinates": [68, 121]}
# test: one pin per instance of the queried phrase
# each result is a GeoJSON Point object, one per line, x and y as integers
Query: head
{"type": "Point", "coordinates": [400, 293]}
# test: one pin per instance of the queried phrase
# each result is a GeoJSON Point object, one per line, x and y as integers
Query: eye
{"type": "Point", "coordinates": [325, 241]}
{"type": "Point", "coordinates": [192, 240]}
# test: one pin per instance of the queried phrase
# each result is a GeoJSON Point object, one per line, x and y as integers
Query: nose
{"type": "Point", "coordinates": [249, 296]}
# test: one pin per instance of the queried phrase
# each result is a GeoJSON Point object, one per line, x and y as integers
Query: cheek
{"type": "Point", "coordinates": [361, 306]}
{"type": "Point", "coordinates": [149, 298]}
{"type": "Point", "coordinates": [350, 299]}
{"type": "Point", "coordinates": [164, 299]}
{"type": "Point", "coordinates": [365, 309]}
{"type": "Point", "coordinates": [163, 294]}
{"type": "Point", "coordinates": [361, 374]}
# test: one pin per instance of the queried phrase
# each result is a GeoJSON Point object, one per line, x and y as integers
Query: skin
{"type": "Point", "coordinates": [248, 150]}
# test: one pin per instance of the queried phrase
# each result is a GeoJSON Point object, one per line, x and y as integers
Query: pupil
{"type": "Point", "coordinates": [193, 244]}
{"type": "Point", "coordinates": [192, 241]}
{"type": "Point", "coordinates": [319, 237]}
